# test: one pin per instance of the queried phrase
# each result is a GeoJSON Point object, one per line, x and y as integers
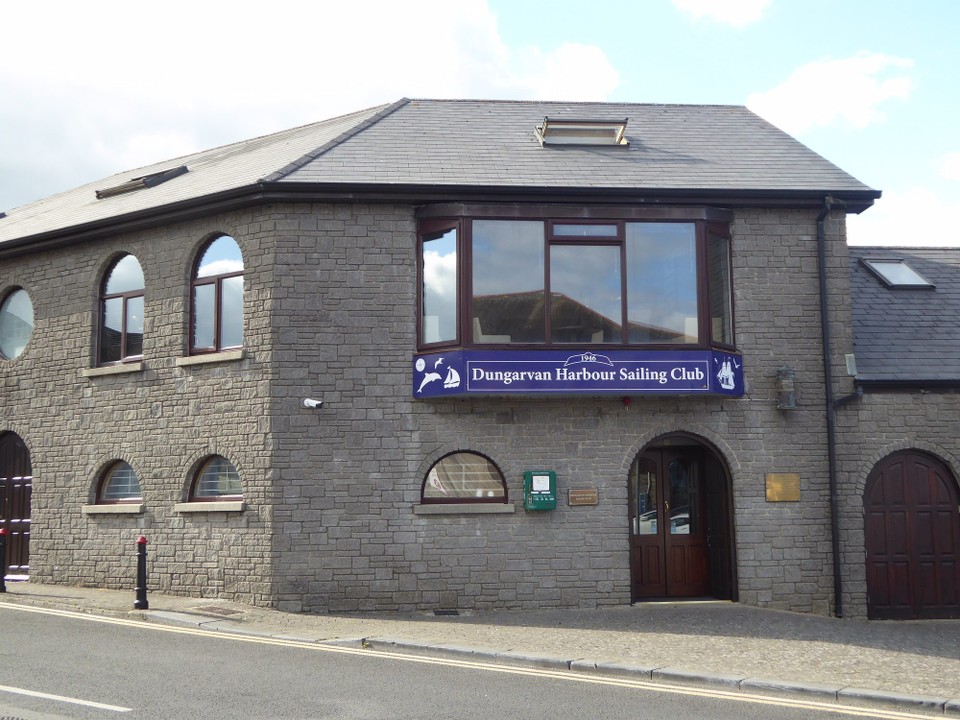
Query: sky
{"type": "Point", "coordinates": [91, 89]}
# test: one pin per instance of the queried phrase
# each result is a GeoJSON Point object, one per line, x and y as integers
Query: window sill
{"type": "Point", "coordinates": [229, 356]}
{"type": "Point", "coordinates": [230, 506]}
{"type": "Point", "coordinates": [115, 509]}
{"type": "Point", "coordinates": [465, 509]}
{"type": "Point", "coordinates": [112, 370]}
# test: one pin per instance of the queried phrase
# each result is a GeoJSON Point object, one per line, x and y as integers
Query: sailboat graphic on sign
{"type": "Point", "coordinates": [452, 380]}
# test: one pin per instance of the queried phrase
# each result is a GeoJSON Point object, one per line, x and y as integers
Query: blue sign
{"type": "Point", "coordinates": [561, 372]}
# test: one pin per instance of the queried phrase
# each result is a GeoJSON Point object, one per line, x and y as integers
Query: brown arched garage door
{"type": "Point", "coordinates": [912, 529]}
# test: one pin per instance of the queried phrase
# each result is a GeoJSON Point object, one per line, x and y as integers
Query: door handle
{"type": "Point", "coordinates": [666, 505]}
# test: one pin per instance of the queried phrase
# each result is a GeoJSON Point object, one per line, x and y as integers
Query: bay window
{"type": "Point", "coordinates": [546, 282]}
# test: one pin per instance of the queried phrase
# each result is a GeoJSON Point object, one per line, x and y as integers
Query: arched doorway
{"type": "Point", "coordinates": [16, 482]}
{"type": "Point", "coordinates": [681, 526]}
{"type": "Point", "coordinates": [912, 538]}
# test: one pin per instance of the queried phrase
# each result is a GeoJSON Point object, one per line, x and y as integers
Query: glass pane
{"type": "Point", "coordinates": [134, 327]}
{"type": "Point", "coordinates": [203, 313]}
{"type": "Point", "coordinates": [585, 230]}
{"type": "Point", "coordinates": [897, 272]}
{"type": "Point", "coordinates": [662, 282]}
{"type": "Point", "coordinates": [16, 324]}
{"type": "Point", "coordinates": [126, 276]}
{"type": "Point", "coordinates": [684, 499]}
{"type": "Point", "coordinates": [439, 318]}
{"type": "Point", "coordinates": [121, 484]}
{"type": "Point", "coordinates": [464, 476]}
{"type": "Point", "coordinates": [721, 300]}
{"type": "Point", "coordinates": [219, 478]}
{"type": "Point", "coordinates": [645, 492]}
{"type": "Point", "coordinates": [221, 257]}
{"type": "Point", "coordinates": [231, 312]}
{"type": "Point", "coordinates": [111, 330]}
{"type": "Point", "coordinates": [585, 294]}
{"type": "Point", "coordinates": [508, 294]}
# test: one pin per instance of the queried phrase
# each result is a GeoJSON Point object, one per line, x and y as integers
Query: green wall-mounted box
{"type": "Point", "coordinates": [539, 490]}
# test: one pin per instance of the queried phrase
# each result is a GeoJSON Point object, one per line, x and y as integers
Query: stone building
{"type": "Point", "coordinates": [447, 355]}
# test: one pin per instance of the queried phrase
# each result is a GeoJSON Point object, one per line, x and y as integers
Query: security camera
{"type": "Point", "coordinates": [312, 404]}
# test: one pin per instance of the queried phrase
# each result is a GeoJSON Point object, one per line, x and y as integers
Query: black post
{"type": "Point", "coordinates": [3, 559]}
{"type": "Point", "coordinates": [141, 589]}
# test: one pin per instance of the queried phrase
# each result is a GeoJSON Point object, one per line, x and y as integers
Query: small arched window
{"type": "Point", "coordinates": [464, 477]}
{"type": "Point", "coordinates": [16, 324]}
{"type": "Point", "coordinates": [216, 479]}
{"type": "Point", "coordinates": [121, 312]}
{"type": "Point", "coordinates": [119, 484]}
{"type": "Point", "coordinates": [216, 317]}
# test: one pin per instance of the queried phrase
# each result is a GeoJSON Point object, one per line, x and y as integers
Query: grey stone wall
{"type": "Point", "coordinates": [330, 524]}
{"type": "Point", "coordinates": [163, 420]}
{"type": "Point", "coordinates": [351, 473]}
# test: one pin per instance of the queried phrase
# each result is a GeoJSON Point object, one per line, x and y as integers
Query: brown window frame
{"type": "Point", "coordinates": [217, 282]}
{"type": "Point", "coordinates": [193, 497]}
{"type": "Point", "coordinates": [426, 230]}
{"type": "Point", "coordinates": [704, 220]}
{"type": "Point", "coordinates": [124, 297]}
{"type": "Point", "coordinates": [464, 500]}
{"type": "Point", "coordinates": [719, 230]}
{"type": "Point", "coordinates": [104, 480]}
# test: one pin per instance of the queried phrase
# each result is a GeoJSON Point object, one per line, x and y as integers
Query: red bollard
{"type": "Point", "coordinates": [141, 590]}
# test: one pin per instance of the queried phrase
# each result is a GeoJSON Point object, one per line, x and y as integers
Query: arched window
{"type": "Point", "coordinates": [216, 479]}
{"type": "Point", "coordinates": [121, 312]}
{"type": "Point", "coordinates": [16, 324]}
{"type": "Point", "coordinates": [119, 484]}
{"type": "Point", "coordinates": [216, 317]}
{"type": "Point", "coordinates": [464, 477]}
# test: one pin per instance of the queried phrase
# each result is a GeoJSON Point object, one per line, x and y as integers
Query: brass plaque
{"type": "Point", "coordinates": [783, 487]}
{"type": "Point", "coordinates": [583, 496]}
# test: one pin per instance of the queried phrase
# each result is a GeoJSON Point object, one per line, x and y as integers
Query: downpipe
{"type": "Point", "coordinates": [829, 204]}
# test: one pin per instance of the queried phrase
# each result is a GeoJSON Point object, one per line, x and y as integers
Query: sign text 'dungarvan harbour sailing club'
{"type": "Point", "coordinates": [491, 372]}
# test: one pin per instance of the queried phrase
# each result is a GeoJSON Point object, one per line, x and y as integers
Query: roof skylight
{"type": "Point", "coordinates": [896, 273]}
{"type": "Point", "coordinates": [556, 131]}
{"type": "Point", "coordinates": [142, 182]}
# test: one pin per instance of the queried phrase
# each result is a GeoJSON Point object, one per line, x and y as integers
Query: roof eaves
{"type": "Point", "coordinates": [339, 140]}
{"type": "Point", "coordinates": [137, 220]}
{"type": "Point", "coordinates": [856, 201]}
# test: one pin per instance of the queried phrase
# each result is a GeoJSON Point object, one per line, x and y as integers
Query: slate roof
{"type": "Point", "coordinates": [906, 335]}
{"type": "Point", "coordinates": [430, 145]}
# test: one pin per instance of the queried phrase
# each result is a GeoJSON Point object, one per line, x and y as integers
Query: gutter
{"type": "Point", "coordinates": [829, 204]}
{"type": "Point", "coordinates": [909, 385]}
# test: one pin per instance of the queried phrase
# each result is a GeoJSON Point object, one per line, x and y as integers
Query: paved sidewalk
{"type": "Point", "coordinates": [913, 666]}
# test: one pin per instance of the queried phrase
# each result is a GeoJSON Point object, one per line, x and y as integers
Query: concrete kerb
{"type": "Point", "coordinates": [854, 697]}
{"type": "Point", "coordinates": [878, 698]}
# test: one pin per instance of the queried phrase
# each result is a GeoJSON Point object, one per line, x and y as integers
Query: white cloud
{"type": "Point", "coordinates": [727, 12]}
{"type": "Point", "coordinates": [825, 92]}
{"type": "Point", "coordinates": [949, 166]}
{"type": "Point", "coordinates": [913, 217]}
{"type": "Point", "coordinates": [440, 273]}
{"type": "Point", "coordinates": [100, 92]}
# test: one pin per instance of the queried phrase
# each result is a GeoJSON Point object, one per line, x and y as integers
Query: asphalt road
{"type": "Point", "coordinates": [98, 668]}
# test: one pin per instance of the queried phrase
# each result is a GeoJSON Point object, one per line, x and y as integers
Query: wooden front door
{"type": "Point", "coordinates": [16, 481]}
{"type": "Point", "coordinates": [668, 533]}
{"type": "Point", "coordinates": [912, 536]}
